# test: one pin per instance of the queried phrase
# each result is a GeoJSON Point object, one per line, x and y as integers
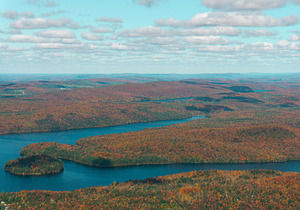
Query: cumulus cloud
{"type": "Point", "coordinates": [91, 36]}
{"type": "Point", "coordinates": [295, 46]}
{"type": "Point", "coordinates": [110, 20]}
{"type": "Point", "coordinates": [218, 30]}
{"type": "Point", "coordinates": [260, 46]}
{"type": "Point", "coordinates": [52, 13]}
{"type": "Point", "coordinates": [147, 3]}
{"type": "Point", "coordinates": [3, 46]}
{"type": "Point", "coordinates": [42, 3]}
{"type": "Point", "coordinates": [20, 38]}
{"type": "Point", "coordinates": [152, 31]}
{"type": "Point", "coordinates": [56, 34]}
{"type": "Point", "coordinates": [211, 40]}
{"type": "Point", "coordinates": [283, 43]}
{"type": "Point", "coordinates": [39, 23]}
{"type": "Point", "coordinates": [229, 19]}
{"type": "Point", "coordinates": [50, 4]}
{"type": "Point", "coordinates": [159, 40]}
{"type": "Point", "coordinates": [260, 32]}
{"type": "Point", "coordinates": [101, 30]}
{"type": "Point", "coordinates": [294, 38]}
{"type": "Point", "coordinates": [12, 14]}
{"type": "Point", "coordinates": [27, 14]}
{"type": "Point", "coordinates": [69, 41]}
{"type": "Point", "coordinates": [71, 47]}
{"type": "Point", "coordinates": [244, 4]}
{"type": "Point", "coordinates": [116, 46]}
{"type": "Point", "coordinates": [144, 32]}
{"type": "Point", "coordinates": [219, 48]}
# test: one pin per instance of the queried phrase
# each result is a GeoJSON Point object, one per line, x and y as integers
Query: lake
{"type": "Point", "coordinates": [77, 176]}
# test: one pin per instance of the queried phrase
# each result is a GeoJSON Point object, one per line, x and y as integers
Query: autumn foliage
{"type": "Point", "coordinates": [182, 144]}
{"type": "Point", "coordinates": [34, 166]}
{"type": "Point", "coordinates": [51, 107]}
{"type": "Point", "coordinates": [255, 189]}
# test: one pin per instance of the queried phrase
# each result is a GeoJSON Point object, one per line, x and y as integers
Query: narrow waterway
{"type": "Point", "coordinates": [77, 176]}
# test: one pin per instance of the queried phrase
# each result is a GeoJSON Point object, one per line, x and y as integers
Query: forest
{"type": "Point", "coordinates": [212, 189]}
{"type": "Point", "coordinates": [43, 106]}
{"type": "Point", "coordinates": [246, 120]}
{"type": "Point", "coordinates": [35, 165]}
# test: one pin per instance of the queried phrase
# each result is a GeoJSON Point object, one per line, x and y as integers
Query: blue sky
{"type": "Point", "coordinates": [149, 36]}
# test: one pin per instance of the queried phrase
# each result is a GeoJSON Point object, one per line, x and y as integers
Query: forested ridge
{"type": "Point", "coordinates": [45, 108]}
{"type": "Point", "coordinates": [241, 126]}
{"type": "Point", "coordinates": [184, 144]}
{"type": "Point", "coordinates": [254, 189]}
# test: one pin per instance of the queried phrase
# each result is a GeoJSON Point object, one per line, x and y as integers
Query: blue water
{"type": "Point", "coordinates": [77, 176]}
{"type": "Point", "coordinates": [255, 91]}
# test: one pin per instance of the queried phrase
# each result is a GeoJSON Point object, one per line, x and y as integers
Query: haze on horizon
{"type": "Point", "coordinates": [149, 36]}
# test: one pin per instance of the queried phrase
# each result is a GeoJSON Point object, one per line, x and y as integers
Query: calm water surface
{"type": "Point", "coordinates": [77, 176]}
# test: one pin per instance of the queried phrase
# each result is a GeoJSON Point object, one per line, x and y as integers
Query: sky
{"type": "Point", "coordinates": [149, 36]}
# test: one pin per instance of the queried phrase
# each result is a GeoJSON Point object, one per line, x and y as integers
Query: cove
{"type": "Point", "coordinates": [256, 91]}
{"type": "Point", "coordinates": [77, 176]}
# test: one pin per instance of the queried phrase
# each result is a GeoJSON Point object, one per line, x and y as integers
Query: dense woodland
{"type": "Point", "coordinates": [183, 144]}
{"type": "Point", "coordinates": [255, 189]}
{"type": "Point", "coordinates": [241, 125]}
{"type": "Point", "coordinates": [35, 165]}
{"type": "Point", "coordinates": [40, 107]}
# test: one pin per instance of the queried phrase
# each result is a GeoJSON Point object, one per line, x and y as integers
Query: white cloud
{"type": "Point", "coordinates": [12, 14]}
{"type": "Point", "coordinates": [218, 30]}
{"type": "Point", "coordinates": [283, 43]}
{"type": "Point", "coordinates": [295, 46]}
{"type": "Point", "coordinates": [39, 23]}
{"type": "Point", "coordinates": [211, 40]}
{"type": "Point", "coordinates": [52, 13]}
{"type": "Point", "coordinates": [18, 49]}
{"type": "Point", "coordinates": [110, 20]}
{"type": "Point", "coordinates": [152, 31]}
{"type": "Point", "coordinates": [27, 14]}
{"type": "Point", "coordinates": [244, 4]}
{"type": "Point", "coordinates": [260, 46]}
{"type": "Point", "coordinates": [71, 47]}
{"type": "Point", "coordinates": [219, 48]}
{"type": "Point", "coordinates": [35, 39]}
{"type": "Point", "coordinates": [159, 40]}
{"type": "Point", "coordinates": [50, 4]}
{"type": "Point", "coordinates": [69, 41]}
{"type": "Point", "coordinates": [14, 31]}
{"type": "Point", "coordinates": [91, 36]}
{"type": "Point", "coordinates": [229, 19]}
{"type": "Point", "coordinates": [42, 3]}
{"type": "Point", "coordinates": [56, 34]}
{"type": "Point", "coordinates": [51, 46]}
{"type": "Point", "coordinates": [147, 3]}
{"type": "Point", "coordinates": [144, 32]}
{"type": "Point", "coordinates": [260, 32]}
{"type": "Point", "coordinates": [116, 46]}
{"type": "Point", "coordinates": [101, 30]}
{"type": "Point", "coordinates": [3, 46]}
{"type": "Point", "coordinates": [294, 38]}
{"type": "Point", "coordinates": [20, 38]}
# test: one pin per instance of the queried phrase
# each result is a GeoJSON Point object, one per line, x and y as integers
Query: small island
{"type": "Point", "coordinates": [35, 165]}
